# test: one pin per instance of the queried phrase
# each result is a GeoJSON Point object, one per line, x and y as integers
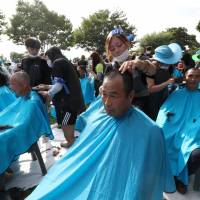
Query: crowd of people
{"type": "Point", "coordinates": [137, 116]}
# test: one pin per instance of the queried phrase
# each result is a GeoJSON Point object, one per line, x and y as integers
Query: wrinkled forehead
{"type": "Point", "coordinates": [112, 84]}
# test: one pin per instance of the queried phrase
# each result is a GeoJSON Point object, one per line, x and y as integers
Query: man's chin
{"type": "Point", "coordinates": [110, 112]}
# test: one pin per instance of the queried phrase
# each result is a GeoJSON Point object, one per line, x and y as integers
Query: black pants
{"type": "Point", "coordinates": [194, 162]}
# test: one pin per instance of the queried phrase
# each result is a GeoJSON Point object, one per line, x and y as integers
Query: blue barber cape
{"type": "Point", "coordinates": [6, 97]}
{"type": "Point", "coordinates": [87, 87]}
{"type": "Point", "coordinates": [179, 118]}
{"type": "Point", "coordinates": [114, 158]}
{"type": "Point", "coordinates": [28, 117]}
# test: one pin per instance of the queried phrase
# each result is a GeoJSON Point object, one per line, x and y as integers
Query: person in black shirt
{"type": "Point", "coordinates": [34, 65]}
{"type": "Point", "coordinates": [160, 83]}
{"type": "Point", "coordinates": [65, 92]}
{"type": "Point", "coordinates": [82, 62]}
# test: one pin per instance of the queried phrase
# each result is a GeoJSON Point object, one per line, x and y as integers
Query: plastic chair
{"type": "Point", "coordinates": [36, 155]}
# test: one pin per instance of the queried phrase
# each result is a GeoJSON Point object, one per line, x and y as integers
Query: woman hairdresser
{"type": "Point", "coordinates": [117, 49]}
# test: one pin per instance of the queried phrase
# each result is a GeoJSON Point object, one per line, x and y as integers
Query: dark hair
{"type": "Point", "coordinates": [82, 68]}
{"type": "Point", "coordinates": [149, 48]}
{"type": "Point", "coordinates": [54, 53]}
{"type": "Point", "coordinates": [192, 69]}
{"type": "Point", "coordinates": [126, 77]}
{"type": "Point", "coordinates": [32, 43]}
{"type": "Point", "coordinates": [96, 59]}
{"type": "Point", "coordinates": [3, 78]}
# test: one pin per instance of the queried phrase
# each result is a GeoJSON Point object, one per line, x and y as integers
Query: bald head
{"type": "Point", "coordinates": [20, 83]}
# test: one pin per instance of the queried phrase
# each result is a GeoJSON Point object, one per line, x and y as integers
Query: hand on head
{"type": "Point", "coordinates": [128, 66]}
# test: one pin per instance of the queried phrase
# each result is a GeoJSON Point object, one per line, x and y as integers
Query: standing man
{"type": "Point", "coordinates": [34, 65]}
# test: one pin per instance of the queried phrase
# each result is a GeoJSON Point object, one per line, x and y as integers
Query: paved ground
{"type": "Point", "coordinates": [27, 173]}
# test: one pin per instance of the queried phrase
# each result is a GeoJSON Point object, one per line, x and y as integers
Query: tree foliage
{"type": "Point", "coordinates": [181, 36]}
{"type": "Point", "coordinates": [3, 59]}
{"type": "Point", "coordinates": [2, 23]}
{"type": "Point", "coordinates": [178, 35]}
{"type": "Point", "coordinates": [198, 26]}
{"type": "Point", "coordinates": [92, 33]}
{"type": "Point", "coordinates": [155, 39]}
{"type": "Point", "coordinates": [35, 20]}
{"type": "Point", "coordinates": [16, 57]}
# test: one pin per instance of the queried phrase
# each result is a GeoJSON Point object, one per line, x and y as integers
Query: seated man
{"type": "Point", "coordinates": [6, 95]}
{"type": "Point", "coordinates": [22, 122]}
{"type": "Point", "coordinates": [120, 153]}
{"type": "Point", "coordinates": [179, 117]}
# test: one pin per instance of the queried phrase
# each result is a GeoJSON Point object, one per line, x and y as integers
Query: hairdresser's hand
{"type": "Point", "coordinates": [170, 81]}
{"type": "Point", "coordinates": [45, 94]}
{"type": "Point", "coordinates": [128, 66]}
{"type": "Point", "coordinates": [42, 87]}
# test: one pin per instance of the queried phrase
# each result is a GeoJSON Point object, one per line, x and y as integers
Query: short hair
{"type": "Point", "coordinates": [83, 57]}
{"type": "Point", "coordinates": [32, 43]}
{"type": "Point", "coordinates": [192, 69]}
{"type": "Point", "coordinates": [22, 76]}
{"type": "Point", "coordinates": [126, 78]}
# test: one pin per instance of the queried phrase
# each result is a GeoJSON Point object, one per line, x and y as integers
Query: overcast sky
{"type": "Point", "coordinates": [147, 16]}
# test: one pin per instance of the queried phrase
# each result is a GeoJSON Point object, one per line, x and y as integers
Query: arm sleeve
{"type": "Point", "coordinates": [57, 87]}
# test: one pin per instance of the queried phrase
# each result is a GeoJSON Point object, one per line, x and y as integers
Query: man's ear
{"type": "Point", "coordinates": [100, 90]}
{"type": "Point", "coordinates": [131, 95]}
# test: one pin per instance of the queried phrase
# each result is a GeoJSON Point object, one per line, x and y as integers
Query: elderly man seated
{"type": "Point", "coordinates": [179, 117]}
{"type": "Point", "coordinates": [22, 122]}
{"type": "Point", "coordinates": [120, 153]}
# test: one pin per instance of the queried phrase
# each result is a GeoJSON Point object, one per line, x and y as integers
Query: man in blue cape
{"type": "Point", "coordinates": [179, 117]}
{"type": "Point", "coordinates": [22, 122]}
{"type": "Point", "coordinates": [6, 95]}
{"type": "Point", "coordinates": [120, 154]}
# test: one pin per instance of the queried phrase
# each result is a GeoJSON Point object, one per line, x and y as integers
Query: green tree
{"type": "Point", "coordinates": [2, 23]}
{"type": "Point", "coordinates": [16, 57]}
{"type": "Point", "coordinates": [155, 39]}
{"type": "Point", "coordinates": [92, 33]}
{"type": "Point", "coordinates": [198, 26]}
{"type": "Point", "coordinates": [3, 59]}
{"type": "Point", "coordinates": [181, 36]}
{"type": "Point", "coordinates": [35, 20]}
{"type": "Point", "coordinates": [178, 35]}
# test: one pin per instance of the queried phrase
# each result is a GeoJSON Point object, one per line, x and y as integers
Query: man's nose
{"type": "Point", "coordinates": [108, 101]}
